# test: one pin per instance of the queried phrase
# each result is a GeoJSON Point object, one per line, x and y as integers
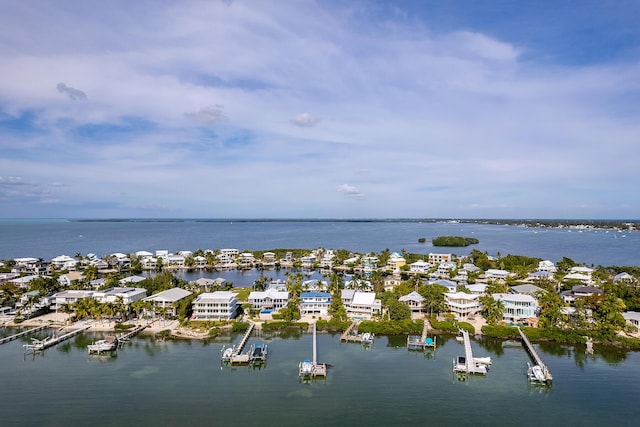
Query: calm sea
{"type": "Point", "coordinates": [47, 238]}
{"type": "Point", "coordinates": [182, 383]}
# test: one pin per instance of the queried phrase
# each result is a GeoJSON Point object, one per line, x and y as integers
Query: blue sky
{"type": "Point", "coordinates": [323, 109]}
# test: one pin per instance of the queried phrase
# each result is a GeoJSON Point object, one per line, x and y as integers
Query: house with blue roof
{"type": "Point", "coordinates": [315, 303]}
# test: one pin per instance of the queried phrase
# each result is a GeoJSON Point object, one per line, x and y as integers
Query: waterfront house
{"type": "Point", "coordinates": [24, 281]}
{"type": "Point", "coordinates": [351, 262]}
{"type": "Point", "coordinates": [98, 283]}
{"type": "Point", "coordinates": [271, 299]}
{"type": "Point", "coordinates": [414, 300]}
{"type": "Point", "coordinates": [370, 263]}
{"type": "Point", "coordinates": [463, 305]}
{"type": "Point", "coordinates": [5, 277]}
{"type": "Point", "coordinates": [208, 284]}
{"type": "Point", "coordinates": [199, 261]}
{"type": "Point", "coordinates": [168, 300]}
{"type": "Point", "coordinates": [132, 280]}
{"type": "Point", "coordinates": [308, 261]}
{"type": "Point", "coordinates": [246, 260]}
{"type": "Point", "coordinates": [30, 265]}
{"type": "Point", "coordinates": [100, 264]}
{"type": "Point", "coordinates": [360, 305]}
{"type": "Point", "coordinates": [127, 295]}
{"type": "Point", "coordinates": [268, 259]}
{"type": "Point", "coordinates": [64, 262]}
{"type": "Point", "coordinates": [632, 318]}
{"type": "Point", "coordinates": [219, 305]}
{"type": "Point", "coordinates": [68, 297]}
{"type": "Point", "coordinates": [149, 263]}
{"type": "Point", "coordinates": [327, 259]}
{"type": "Point", "coordinates": [315, 303]}
{"type": "Point", "coordinates": [174, 260]}
{"type": "Point", "coordinates": [228, 256]}
{"type": "Point", "coordinates": [420, 267]}
{"type": "Point", "coordinates": [517, 307]}
{"type": "Point", "coordinates": [438, 258]}
{"type": "Point", "coordinates": [477, 288]}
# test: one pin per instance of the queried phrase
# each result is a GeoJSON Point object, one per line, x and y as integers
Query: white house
{"type": "Point", "coordinates": [228, 256]}
{"type": "Point", "coordinates": [220, 305]}
{"type": "Point", "coordinates": [70, 278]}
{"type": "Point", "coordinates": [132, 279]}
{"type": "Point", "coordinates": [495, 274]}
{"type": "Point", "coordinates": [462, 304]}
{"type": "Point", "coordinates": [445, 268]}
{"type": "Point", "coordinates": [327, 259]}
{"type": "Point", "coordinates": [547, 265]}
{"type": "Point", "coordinates": [414, 300]}
{"type": "Point", "coordinates": [128, 295]}
{"type": "Point", "coordinates": [271, 299]}
{"type": "Point", "coordinates": [517, 307]}
{"type": "Point", "coordinates": [420, 267]}
{"type": "Point", "coordinates": [68, 297]}
{"type": "Point", "coordinates": [167, 300]}
{"type": "Point", "coordinates": [64, 262]}
{"type": "Point", "coordinates": [315, 303]}
{"type": "Point", "coordinates": [360, 305]}
{"type": "Point", "coordinates": [632, 318]}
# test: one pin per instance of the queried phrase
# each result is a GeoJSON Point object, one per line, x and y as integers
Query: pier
{"type": "Point", "coordinates": [23, 333]}
{"type": "Point", "coordinates": [311, 368]}
{"type": "Point", "coordinates": [42, 345]}
{"type": "Point", "coordinates": [539, 372]}
{"type": "Point", "coordinates": [348, 336]}
{"type": "Point", "coordinates": [415, 342]}
{"type": "Point", "coordinates": [468, 364]}
{"type": "Point", "coordinates": [134, 331]}
{"type": "Point", "coordinates": [234, 354]}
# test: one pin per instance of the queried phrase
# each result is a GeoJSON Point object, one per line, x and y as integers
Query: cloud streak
{"type": "Point", "coordinates": [72, 93]}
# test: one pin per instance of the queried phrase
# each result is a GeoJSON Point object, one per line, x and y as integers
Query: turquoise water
{"type": "Point", "coordinates": [50, 238]}
{"type": "Point", "coordinates": [183, 383]}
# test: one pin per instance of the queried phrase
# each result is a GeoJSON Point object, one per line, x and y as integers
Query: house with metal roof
{"type": "Point", "coordinates": [315, 303]}
{"type": "Point", "coordinates": [414, 300]}
{"type": "Point", "coordinates": [168, 300]}
{"type": "Point", "coordinates": [219, 305]}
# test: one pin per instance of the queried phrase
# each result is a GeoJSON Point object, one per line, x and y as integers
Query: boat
{"type": "Point", "coordinates": [259, 353]}
{"type": "Point", "coordinates": [227, 353]}
{"type": "Point", "coordinates": [536, 374]}
{"type": "Point", "coordinates": [110, 343]}
{"type": "Point", "coordinates": [305, 369]}
{"type": "Point", "coordinates": [482, 360]}
{"type": "Point", "coordinates": [367, 338]}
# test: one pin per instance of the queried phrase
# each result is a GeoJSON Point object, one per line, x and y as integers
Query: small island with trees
{"type": "Point", "coordinates": [454, 241]}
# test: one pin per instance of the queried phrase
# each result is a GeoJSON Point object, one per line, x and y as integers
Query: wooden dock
{"type": "Point", "coordinates": [23, 333]}
{"type": "Point", "coordinates": [42, 345]}
{"type": "Point", "coordinates": [348, 336]}
{"type": "Point", "coordinates": [415, 342]}
{"type": "Point", "coordinates": [468, 364]}
{"type": "Point", "coordinates": [547, 377]}
{"type": "Point", "coordinates": [134, 331]}
{"type": "Point", "coordinates": [311, 368]}
{"type": "Point", "coordinates": [234, 354]}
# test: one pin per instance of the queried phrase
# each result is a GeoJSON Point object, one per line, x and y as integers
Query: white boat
{"type": "Point", "coordinates": [227, 353]}
{"type": "Point", "coordinates": [110, 343]}
{"type": "Point", "coordinates": [536, 374]}
{"type": "Point", "coordinates": [305, 368]}
{"type": "Point", "coordinates": [367, 338]}
{"type": "Point", "coordinates": [482, 360]}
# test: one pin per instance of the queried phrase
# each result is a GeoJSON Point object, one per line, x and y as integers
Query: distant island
{"type": "Point", "coordinates": [454, 241]}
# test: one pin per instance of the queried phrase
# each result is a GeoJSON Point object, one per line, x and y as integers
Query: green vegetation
{"type": "Point", "coordinates": [123, 326]}
{"type": "Point", "coordinates": [451, 326]}
{"type": "Point", "coordinates": [422, 240]}
{"type": "Point", "coordinates": [239, 326]}
{"type": "Point", "coordinates": [392, 327]}
{"type": "Point", "coordinates": [454, 241]}
{"type": "Point", "coordinates": [272, 326]}
{"type": "Point", "coordinates": [333, 325]}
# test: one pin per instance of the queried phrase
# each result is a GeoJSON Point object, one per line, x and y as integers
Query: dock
{"type": "Point", "coordinates": [348, 336]}
{"type": "Point", "coordinates": [23, 333]}
{"type": "Point", "coordinates": [467, 363]}
{"type": "Point", "coordinates": [234, 354]}
{"type": "Point", "coordinates": [415, 342]}
{"type": "Point", "coordinates": [539, 372]}
{"type": "Point", "coordinates": [42, 345]}
{"type": "Point", "coordinates": [134, 331]}
{"type": "Point", "coordinates": [311, 368]}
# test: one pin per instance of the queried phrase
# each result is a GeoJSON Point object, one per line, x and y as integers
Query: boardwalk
{"type": "Point", "coordinates": [415, 342]}
{"type": "Point", "coordinates": [311, 368]}
{"type": "Point", "coordinates": [41, 345]}
{"type": "Point", "coordinates": [348, 336]}
{"type": "Point", "coordinates": [23, 333]}
{"type": "Point", "coordinates": [468, 364]}
{"type": "Point", "coordinates": [546, 374]}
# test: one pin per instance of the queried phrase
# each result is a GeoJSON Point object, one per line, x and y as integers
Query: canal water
{"type": "Point", "coordinates": [151, 383]}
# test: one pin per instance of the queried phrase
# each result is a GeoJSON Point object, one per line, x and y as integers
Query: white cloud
{"type": "Point", "coordinates": [350, 191]}
{"type": "Point", "coordinates": [73, 93]}
{"type": "Point", "coordinates": [208, 115]}
{"type": "Point", "coordinates": [305, 120]}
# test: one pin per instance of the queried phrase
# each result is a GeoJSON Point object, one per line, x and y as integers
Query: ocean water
{"type": "Point", "coordinates": [48, 238]}
{"type": "Point", "coordinates": [183, 383]}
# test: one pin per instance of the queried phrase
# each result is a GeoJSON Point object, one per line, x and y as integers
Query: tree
{"type": "Point", "coordinates": [434, 300]}
{"type": "Point", "coordinates": [398, 310]}
{"type": "Point", "coordinates": [550, 304]}
{"type": "Point", "coordinates": [492, 309]}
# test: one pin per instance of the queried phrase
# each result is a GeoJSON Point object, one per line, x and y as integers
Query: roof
{"type": "Point", "coordinates": [461, 295]}
{"type": "Point", "coordinates": [271, 293]}
{"type": "Point", "coordinates": [514, 297]}
{"type": "Point", "coordinates": [631, 315]}
{"type": "Point", "coordinates": [170, 295]}
{"type": "Point", "coordinates": [525, 289]}
{"type": "Point", "coordinates": [133, 279]}
{"type": "Point", "coordinates": [315, 294]}
{"type": "Point", "coordinates": [364, 298]}
{"type": "Point", "coordinates": [218, 295]}
{"type": "Point", "coordinates": [413, 296]}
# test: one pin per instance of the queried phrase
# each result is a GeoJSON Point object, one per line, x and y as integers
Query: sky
{"type": "Point", "coordinates": [320, 109]}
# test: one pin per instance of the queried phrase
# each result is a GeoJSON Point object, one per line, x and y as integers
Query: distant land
{"type": "Point", "coordinates": [618, 224]}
